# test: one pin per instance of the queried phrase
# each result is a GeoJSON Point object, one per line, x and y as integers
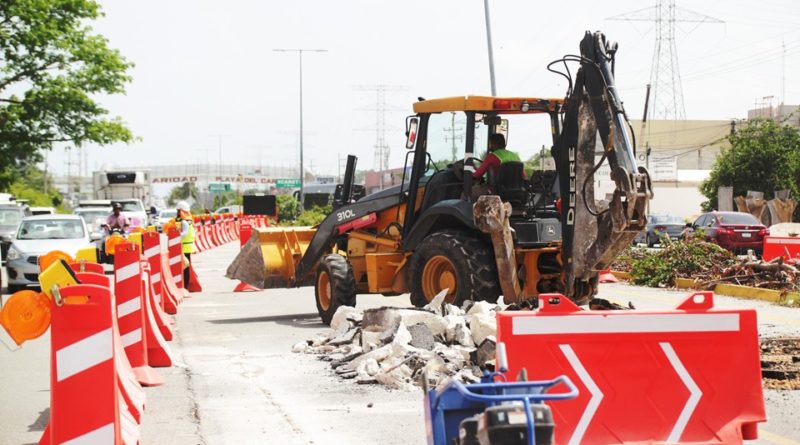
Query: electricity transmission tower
{"type": "Point", "coordinates": [381, 148]}
{"type": "Point", "coordinates": [665, 77]}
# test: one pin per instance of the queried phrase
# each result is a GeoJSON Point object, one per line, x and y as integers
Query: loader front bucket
{"type": "Point", "coordinates": [270, 257]}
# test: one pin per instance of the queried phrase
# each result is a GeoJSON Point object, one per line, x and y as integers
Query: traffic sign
{"type": "Point", "coordinates": [692, 374]}
{"type": "Point", "coordinates": [287, 183]}
{"type": "Point", "coordinates": [219, 187]}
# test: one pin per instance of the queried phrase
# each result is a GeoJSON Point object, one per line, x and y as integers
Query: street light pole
{"type": "Point", "coordinates": [300, 57]}
{"type": "Point", "coordinates": [489, 44]}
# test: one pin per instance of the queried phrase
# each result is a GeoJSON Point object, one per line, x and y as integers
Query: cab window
{"type": "Point", "coordinates": [445, 140]}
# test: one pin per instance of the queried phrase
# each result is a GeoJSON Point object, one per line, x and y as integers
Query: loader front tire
{"type": "Point", "coordinates": [453, 260]}
{"type": "Point", "coordinates": [334, 286]}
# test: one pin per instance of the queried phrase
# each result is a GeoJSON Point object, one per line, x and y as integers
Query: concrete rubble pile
{"type": "Point", "coordinates": [397, 346]}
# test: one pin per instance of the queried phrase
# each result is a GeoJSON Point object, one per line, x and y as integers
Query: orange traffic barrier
{"type": "Point", "coordinates": [194, 282]}
{"type": "Point", "coordinates": [152, 253]}
{"type": "Point", "coordinates": [688, 375]}
{"type": "Point", "coordinates": [85, 401]}
{"type": "Point", "coordinates": [175, 251]}
{"type": "Point", "coordinates": [131, 316]}
{"type": "Point", "coordinates": [129, 386]}
{"type": "Point", "coordinates": [86, 266]}
{"type": "Point", "coordinates": [162, 320]}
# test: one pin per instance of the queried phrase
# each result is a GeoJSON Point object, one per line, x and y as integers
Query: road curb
{"type": "Point", "coordinates": [730, 290]}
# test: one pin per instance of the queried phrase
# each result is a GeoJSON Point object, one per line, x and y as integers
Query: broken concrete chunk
{"type": "Point", "coordinates": [485, 351]}
{"type": "Point", "coordinates": [300, 347]}
{"type": "Point", "coordinates": [481, 307]}
{"type": "Point", "coordinates": [377, 354]}
{"type": "Point", "coordinates": [437, 324]}
{"type": "Point", "coordinates": [435, 305]}
{"type": "Point", "coordinates": [450, 309]}
{"type": "Point", "coordinates": [345, 338]}
{"type": "Point", "coordinates": [481, 326]}
{"type": "Point", "coordinates": [344, 315]}
{"type": "Point", "coordinates": [370, 340]}
{"type": "Point", "coordinates": [421, 336]}
{"type": "Point", "coordinates": [457, 331]}
{"type": "Point", "coordinates": [379, 319]}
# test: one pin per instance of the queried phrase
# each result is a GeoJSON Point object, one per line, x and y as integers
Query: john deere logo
{"type": "Point", "coordinates": [550, 230]}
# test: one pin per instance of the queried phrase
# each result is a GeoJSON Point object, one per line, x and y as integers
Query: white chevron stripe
{"type": "Point", "coordinates": [101, 436]}
{"type": "Point", "coordinates": [625, 323]}
{"type": "Point", "coordinates": [695, 394]}
{"type": "Point", "coordinates": [174, 260]}
{"type": "Point", "coordinates": [174, 241]}
{"type": "Point", "coordinates": [177, 278]}
{"type": "Point", "coordinates": [151, 252]}
{"type": "Point", "coordinates": [155, 278]}
{"type": "Point", "coordinates": [84, 354]}
{"type": "Point", "coordinates": [129, 271]}
{"type": "Point", "coordinates": [594, 402]}
{"type": "Point", "coordinates": [129, 307]}
{"type": "Point", "coordinates": [132, 337]}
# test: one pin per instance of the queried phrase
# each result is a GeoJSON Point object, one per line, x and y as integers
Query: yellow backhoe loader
{"type": "Point", "coordinates": [442, 229]}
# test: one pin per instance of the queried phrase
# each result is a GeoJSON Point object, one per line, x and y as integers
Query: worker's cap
{"type": "Point", "coordinates": [182, 205]}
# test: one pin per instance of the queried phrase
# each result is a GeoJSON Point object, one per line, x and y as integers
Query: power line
{"type": "Point", "coordinates": [667, 102]}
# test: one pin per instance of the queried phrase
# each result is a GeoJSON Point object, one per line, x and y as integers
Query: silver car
{"type": "Point", "coordinates": [36, 236]}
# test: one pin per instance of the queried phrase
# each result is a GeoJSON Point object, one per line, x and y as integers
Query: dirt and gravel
{"type": "Point", "coordinates": [780, 363]}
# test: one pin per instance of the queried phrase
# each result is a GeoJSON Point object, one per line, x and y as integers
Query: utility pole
{"type": "Point", "coordinates": [456, 134]}
{"type": "Point", "coordinates": [665, 77]}
{"type": "Point", "coordinates": [489, 45]}
{"type": "Point", "coordinates": [300, 52]}
{"type": "Point", "coordinates": [382, 150]}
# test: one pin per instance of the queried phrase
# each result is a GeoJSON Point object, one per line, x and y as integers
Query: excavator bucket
{"type": "Point", "coordinates": [268, 260]}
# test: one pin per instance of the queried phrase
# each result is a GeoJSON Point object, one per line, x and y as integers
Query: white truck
{"type": "Point", "coordinates": [130, 188]}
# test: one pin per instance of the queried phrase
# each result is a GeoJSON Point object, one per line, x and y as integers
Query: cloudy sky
{"type": "Point", "coordinates": [208, 67]}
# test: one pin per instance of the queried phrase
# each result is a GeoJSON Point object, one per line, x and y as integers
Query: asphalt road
{"type": "Point", "coordinates": [235, 379]}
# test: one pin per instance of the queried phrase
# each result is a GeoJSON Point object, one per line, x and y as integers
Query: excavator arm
{"type": "Point", "coordinates": [596, 231]}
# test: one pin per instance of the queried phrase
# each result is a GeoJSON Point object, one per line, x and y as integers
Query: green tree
{"type": "Point", "coordinates": [51, 67]}
{"type": "Point", "coordinates": [764, 156]}
{"type": "Point", "coordinates": [182, 192]}
{"type": "Point", "coordinates": [288, 208]}
{"type": "Point", "coordinates": [30, 185]}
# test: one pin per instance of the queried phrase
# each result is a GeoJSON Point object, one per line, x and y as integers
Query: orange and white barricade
{"type": "Point", "coordinates": [688, 375]}
{"type": "Point", "coordinates": [130, 387]}
{"type": "Point", "coordinates": [152, 253]}
{"type": "Point", "coordinates": [162, 320]}
{"type": "Point", "coordinates": [141, 337]}
{"type": "Point", "coordinates": [86, 406]}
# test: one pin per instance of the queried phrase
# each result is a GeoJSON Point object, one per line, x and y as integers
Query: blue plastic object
{"type": "Point", "coordinates": [446, 408]}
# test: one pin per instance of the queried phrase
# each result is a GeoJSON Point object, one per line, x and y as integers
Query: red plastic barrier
{"type": "Point", "coordinates": [144, 349]}
{"type": "Point", "coordinates": [692, 374]}
{"type": "Point", "coordinates": [85, 401]}
{"type": "Point", "coordinates": [163, 321]}
{"type": "Point", "coordinates": [781, 246]}
{"type": "Point", "coordinates": [130, 388]}
{"type": "Point", "coordinates": [87, 267]}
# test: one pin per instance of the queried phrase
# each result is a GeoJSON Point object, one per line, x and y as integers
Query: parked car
{"type": "Point", "coordinates": [36, 236]}
{"type": "Point", "coordinates": [659, 227]}
{"type": "Point", "coordinates": [734, 231]}
{"type": "Point", "coordinates": [43, 211]}
{"type": "Point", "coordinates": [134, 210]}
{"type": "Point", "coordinates": [10, 216]}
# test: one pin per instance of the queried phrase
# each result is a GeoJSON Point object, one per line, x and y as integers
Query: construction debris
{"type": "Point", "coordinates": [397, 346]}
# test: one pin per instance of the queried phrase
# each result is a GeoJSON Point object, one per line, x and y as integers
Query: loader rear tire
{"type": "Point", "coordinates": [334, 286]}
{"type": "Point", "coordinates": [454, 260]}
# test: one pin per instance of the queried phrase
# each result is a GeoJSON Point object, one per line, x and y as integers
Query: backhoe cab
{"type": "Point", "coordinates": [512, 234]}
